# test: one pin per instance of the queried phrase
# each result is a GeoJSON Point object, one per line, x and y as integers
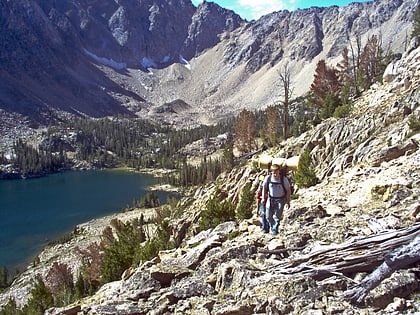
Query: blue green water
{"type": "Point", "coordinates": [35, 211]}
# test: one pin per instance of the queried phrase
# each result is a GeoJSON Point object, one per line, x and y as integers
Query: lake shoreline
{"type": "Point", "coordinates": [53, 205]}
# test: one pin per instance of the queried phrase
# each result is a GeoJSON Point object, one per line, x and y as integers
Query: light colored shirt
{"type": "Point", "coordinates": [275, 187]}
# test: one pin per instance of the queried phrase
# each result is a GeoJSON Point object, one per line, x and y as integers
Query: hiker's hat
{"type": "Point", "coordinates": [274, 167]}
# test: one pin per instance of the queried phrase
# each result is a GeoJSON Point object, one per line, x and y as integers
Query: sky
{"type": "Point", "coordinates": [254, 9]}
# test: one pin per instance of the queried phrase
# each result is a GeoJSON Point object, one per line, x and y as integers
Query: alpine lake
{"type": "Point", "coordinates": [35, 211]}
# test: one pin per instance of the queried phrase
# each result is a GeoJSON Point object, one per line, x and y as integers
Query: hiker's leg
{"type": "Point", "coordinates": [274, 221]}
{"type": "Point", "coordinates": [275, 226]}
{"type": "Point", "coordinates": [264, 223]}
{"type": "Point", "coordinates": [269, 212]}
{"type": "Point", "coordinates": [278, 215]}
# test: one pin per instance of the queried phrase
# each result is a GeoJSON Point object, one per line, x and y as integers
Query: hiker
{"type": "Point", "coordinates": [261, 207]}
{"type": "Point", "coordinates": [276, 195]}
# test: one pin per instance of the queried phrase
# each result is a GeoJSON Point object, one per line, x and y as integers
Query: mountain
{"type": "Point", "coordinates": [354, 234]}
{"type": "Point", "coordinates": [103, 58]}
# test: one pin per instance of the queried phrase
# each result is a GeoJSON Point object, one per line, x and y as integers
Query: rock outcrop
{"type": "Point", "coordinates": [104, 58]}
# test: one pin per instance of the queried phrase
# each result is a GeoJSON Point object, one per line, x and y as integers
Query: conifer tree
{"type": "Point", "coordinates": [41, 299]}
{"type": "Point", "coordinates": [325, 82]}
{"type": "Point", "coordinates": [246, 131]}
{"type": "Point", "coordinates": [228, 157]}
{"type": "Point", "coordinates": [244, 210]}
{"type": "Point", "coordinates": [371, 62]}
{"type": "Point", "coordinates": [305, 175]}
{"type": "Point", "coordinates": [4, 277]}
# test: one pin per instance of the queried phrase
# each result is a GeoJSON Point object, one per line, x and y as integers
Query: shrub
{"type": "Point", "coordinates": [161, 241]}
{"type": "Point", "coordinates": [245, 205]}
{"type": "Point", "coordinates": [150, 200]}
{"type": "Point", "coordinates": [119, 256]}
{"type": "Point", "coordinates": [414, 124]}
{"type": "Point", "coordinates": [216, 212]}
{"type": "Point", "coordinates": [41, 299]}
{"type": "Point", "coordinates": [342, 111]}
{"type": "Point", "coordinates": [332, 101]}
{"type": "Point", "coordinates": [305, 175]}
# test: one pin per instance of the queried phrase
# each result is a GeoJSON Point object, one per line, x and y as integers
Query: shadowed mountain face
{"type": "Point", "coordinates": [103, 58]}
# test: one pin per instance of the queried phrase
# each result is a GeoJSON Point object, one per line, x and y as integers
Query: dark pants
{"type": "Point", "coordinates": [264, 222]}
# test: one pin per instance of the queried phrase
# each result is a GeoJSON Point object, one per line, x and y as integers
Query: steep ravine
{"type": "Point", "coordinates": [369, 170]}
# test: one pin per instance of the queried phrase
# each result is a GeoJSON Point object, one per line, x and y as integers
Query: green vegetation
{"type": "Point", "coordinates": [217, 211]}
{"type": "Point", "coordinates": [33, 162]}
{"type": "Point", "coordinates": [414, 124]}
{"type": "Point", "coordinates": [305, 175]}
{"type": "Point", "coordinates": [109, 143]}
{"type": "Point", "coordinates": [41, 299]}
{"type": "Point", "coordinates": [161, 241]}
{"type": "Point", "coordinates": [139, 144]}
{"type": "Point", "coordinates": [244, 210]}
{"type": "Point", "coordinates": [150, 200]}
{"type": "Point", "coordinates": [120, 250]}
{"type": "Point", "coordinates": [333, 88]}
{"type": "Point", "coordinates": [4, 277]}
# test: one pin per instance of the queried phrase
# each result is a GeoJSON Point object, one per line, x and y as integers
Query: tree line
{"type": "Point", "coordinates": [332, 92]}
{"type": "Point", "coordinates": [138, 144]}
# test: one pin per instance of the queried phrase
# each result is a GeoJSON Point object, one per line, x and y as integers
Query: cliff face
{"type": "Point", "coordinates": [49, 50]}
{"type": "Point", "coordinates": [337, 232]}
{"type": "Point", "coordinates": [100, 58]}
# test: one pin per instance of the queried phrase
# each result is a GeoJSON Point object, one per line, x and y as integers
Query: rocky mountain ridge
{"type": "Point", "coordinates": [369, 170]}
{"type": "Point", "coordinates": [102, 58]}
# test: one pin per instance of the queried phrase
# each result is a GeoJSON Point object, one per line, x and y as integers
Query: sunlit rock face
{"type": "Point", "coordinates": [104, 58]}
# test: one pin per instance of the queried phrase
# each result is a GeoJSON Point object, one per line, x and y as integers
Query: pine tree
{"type": "Point", "coordinates": [246, 131]}
{"type": "Point", "coordinates": [4, 277]}
{"type": "Point", "coordinates": [287, 92]}
{"type": "Point", "coordinates": [216, 212]}
{"type": "Point", "coordinates": [325, 82]}
{"type": "Point", "coordinates": [305, 175]}
{"type": "Point", "coordinates": [371, 62]}
{"type": "Point", "coordinates": [244, 210]}
{"type": "Point", "coordinates": [41, 299]}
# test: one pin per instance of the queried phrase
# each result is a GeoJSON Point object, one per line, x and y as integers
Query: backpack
{"type": "Point", "coordinates": [275, 183]}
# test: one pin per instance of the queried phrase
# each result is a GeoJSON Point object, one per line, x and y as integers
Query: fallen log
{"type": "Point", "coordinates": [398, 259]}
{"type": "Point", "coordinates": [359, 255]}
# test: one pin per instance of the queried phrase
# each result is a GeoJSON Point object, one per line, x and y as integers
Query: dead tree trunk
{"type": "Point", "coordinates": [398, 259]}
{"type": "Point", "coordinates": [361, 255]}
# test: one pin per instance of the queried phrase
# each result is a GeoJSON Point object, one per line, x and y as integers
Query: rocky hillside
{"type": "Point", "coordinates": [336, 233]}
{"type": "Point", "coordinates": [101, 58]}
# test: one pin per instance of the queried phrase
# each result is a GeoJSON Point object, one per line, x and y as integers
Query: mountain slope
{"type": "Point", "coordinates": [100, 58]}
{"type": "Point", "coordinates": [367, 199]}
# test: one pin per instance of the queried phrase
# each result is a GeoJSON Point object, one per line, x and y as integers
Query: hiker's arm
{"type": "Point", "coordinates": [288, 193]}
{"type": "Point", "coordinates": [264, 194]}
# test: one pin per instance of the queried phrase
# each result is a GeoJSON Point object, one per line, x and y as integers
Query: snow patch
{"type": "Point", "coordinates": [166, 59]}
{"type": "Point", "coordinates": [184, 62]}
{"type": "Point", "coordinates": [148, 63]}
{"type": "Point", "coordinates": [107, 62]}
